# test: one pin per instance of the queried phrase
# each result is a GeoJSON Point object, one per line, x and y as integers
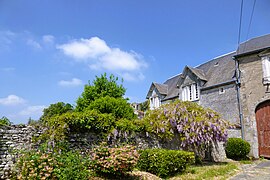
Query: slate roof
{"type": "Point", "coordinates": [254, 44]}
{"type": "Point", "coordinates": [198, 72]}
{"type": "Point", "coordinates": [216, 71]}
{"type": "Point", "coordinates": [162, 88]}
{"type": "Point", "coordinates": [219, 70]}
{"type": "Point", "coordinates": [173, 90]}
{"type": "Point", "coordinates": [168, 88]}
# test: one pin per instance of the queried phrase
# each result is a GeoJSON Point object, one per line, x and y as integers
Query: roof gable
{"type": "Point", "coordinates": [169, 88]}
{"type": "Point", "coordinates": [161, 88]}
{"type": "Point", "coordinates": [198, 73]}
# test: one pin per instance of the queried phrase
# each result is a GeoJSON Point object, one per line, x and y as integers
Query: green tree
{"type": "Point", "coordinates": [4, 121]}
{"type": "Point", "coordinates": [145, 106]}
{"type": "Point", "coordinates": [55, 109]}
{"type": "Point", "coordinates": [101, 87]}
{"type": "Point", "coordinates": [116, 106]}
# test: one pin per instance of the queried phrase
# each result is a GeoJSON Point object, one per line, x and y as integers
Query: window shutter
{"type": "Point", "coordinates": [266, 70]}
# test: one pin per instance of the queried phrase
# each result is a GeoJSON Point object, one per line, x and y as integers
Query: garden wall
{"type": "Point", "coordinates": [12, 139]}
{"type": "Point", "coordinates": [19, 137]}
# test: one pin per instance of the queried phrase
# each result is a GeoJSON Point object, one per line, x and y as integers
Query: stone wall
{"type": "Point", "coordinates": [252, 92]}
{"type": "Point", "coordinates": [20, 137]}
{"type": "Point", "coordinates": [224, 102]}
{"type": "Point", "coordinates": [12, 139]}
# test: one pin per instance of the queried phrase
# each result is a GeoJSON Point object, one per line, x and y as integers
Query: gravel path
{"type": "Point", "coordinates": [257, 171]}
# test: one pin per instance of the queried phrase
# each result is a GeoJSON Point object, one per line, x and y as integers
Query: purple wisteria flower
{"type": "Point", "coordinates": [115, 133]}
{"type": "Point", "coordinates": [173, 123]}
{"type": "Point", "coordinates": [179, 128]}
{"type": "Point", "coordinates": [162, 130]}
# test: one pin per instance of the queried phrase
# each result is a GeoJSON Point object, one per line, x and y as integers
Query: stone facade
{"type": "Point", "coordinates": [223, 100]}
{"type": "Point", "coordinates": [251, 76]}
{"type": "Point", "coordinates": [234, 85]}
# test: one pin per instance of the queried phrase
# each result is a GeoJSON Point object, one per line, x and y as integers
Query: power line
{"type": "Point", "coordinates": [240, 23]}
{"type": "Point", "coordinates": [237, 74]}
{"type": "Point", "coordinates": [251, 17]}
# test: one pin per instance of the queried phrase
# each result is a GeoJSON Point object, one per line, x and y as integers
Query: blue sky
{"type": "Point", "coordinates": [50, 49]}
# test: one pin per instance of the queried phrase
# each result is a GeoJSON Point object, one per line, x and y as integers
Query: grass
{"type": "Point", "coordinates": [208, 170]}
{"type": "Point", "coordinates": [217, 171]}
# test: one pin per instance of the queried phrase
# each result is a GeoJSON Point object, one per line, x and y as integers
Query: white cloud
{"type": "Point", "coordinates": [6, 36]}
{"type": "Point", "coordinates": [6, 39]}
{"type": "Point", "coordinates": [48, 39]}
{"type": "Point", "coordinates": [99, 56]}
{"type": "Point", "coordinates": [72, 83]}
{"type": "Point", "coordinates": [132, 76]}
{"type": "Point", "coordinates": [12, 100]}
{"type": "Point", "coordinates": [120, 60]}
{"type": "Point", "coordinates": [33, 44]}
{"type": "Point", "coordinates": [32, 111]}
{"type": "Point", "coordinates": [85, 48]}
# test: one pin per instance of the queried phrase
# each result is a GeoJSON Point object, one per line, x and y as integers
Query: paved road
{"type": "Point", "coordinates": [259, 171]}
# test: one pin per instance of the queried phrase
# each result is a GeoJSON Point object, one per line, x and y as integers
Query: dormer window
{"type": "Point", "coordinates": [190, 92]}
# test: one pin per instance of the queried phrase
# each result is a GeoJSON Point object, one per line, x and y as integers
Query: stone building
{"type": "Point", "coordinates": [235, 84]}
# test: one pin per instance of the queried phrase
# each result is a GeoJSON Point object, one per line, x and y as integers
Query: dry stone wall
{"type": "Point", "coordinates": [20, 137]}
{"type": "Point", "coordinates": [13, 139]}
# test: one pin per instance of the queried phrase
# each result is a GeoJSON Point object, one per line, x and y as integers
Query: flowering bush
{"type": "Point", "coordinates": [114, 161]}
{"type": "Point", "coordinates": [36, 165]}
{"type": "Point", "coordinates": [196, 126]}
{"type": "Point", "coordinates": [164, 162]}
{"type": "Point", "coordinates": [47, 165]}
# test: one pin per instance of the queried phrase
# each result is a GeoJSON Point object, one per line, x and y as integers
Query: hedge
{"type": "Point", "coordinates": [237, 148]}
{"type": "Point", "coordinates": [164, 163]}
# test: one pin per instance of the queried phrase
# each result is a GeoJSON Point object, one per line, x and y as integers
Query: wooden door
{"type": "Point", "coordinates": [263, 127]}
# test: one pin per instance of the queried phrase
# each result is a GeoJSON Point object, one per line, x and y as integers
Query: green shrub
{"type": "Point", "coordinates": [237, 148]}
{"type": "Point", "coordinates": [164, 162]}
{"type": "Point", "coordinates": [71, 165]}
{"type": "Point", "coordinates": [114, 161]}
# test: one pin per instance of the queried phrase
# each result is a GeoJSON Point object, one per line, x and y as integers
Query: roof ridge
{"type": "Point", "coordinates": [215, 58]}
{"type": "Point", "coordinates": [173, 76]}
{"type": "Point", "coordinates": [254, 38]}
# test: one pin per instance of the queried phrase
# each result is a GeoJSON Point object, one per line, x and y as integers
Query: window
{"type": "Point", "coordinates": [196, 91]}
{"type": "Point", "coordinates": [154, 101]}
{"type": "Point", "coordinates": [221, 90]}
{"type": "Point", "coordinates": [190, 92]}
{"type": "Point", "coordinates": [266, 70]}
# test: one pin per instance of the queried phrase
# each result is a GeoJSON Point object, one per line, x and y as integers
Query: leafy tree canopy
{"type": "Point", "coordinates": [55, 109]}
{"type": "Point", "coordinates": [101, 87]}
{"type": "Point", "coordinates": [116, 106]}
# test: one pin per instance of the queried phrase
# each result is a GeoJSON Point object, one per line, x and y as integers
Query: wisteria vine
{"type": "Point", "coordinates": [194, 124]}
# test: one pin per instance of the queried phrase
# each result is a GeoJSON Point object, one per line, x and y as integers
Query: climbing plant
{"type": "Point", "coordinates": [196, 126]}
